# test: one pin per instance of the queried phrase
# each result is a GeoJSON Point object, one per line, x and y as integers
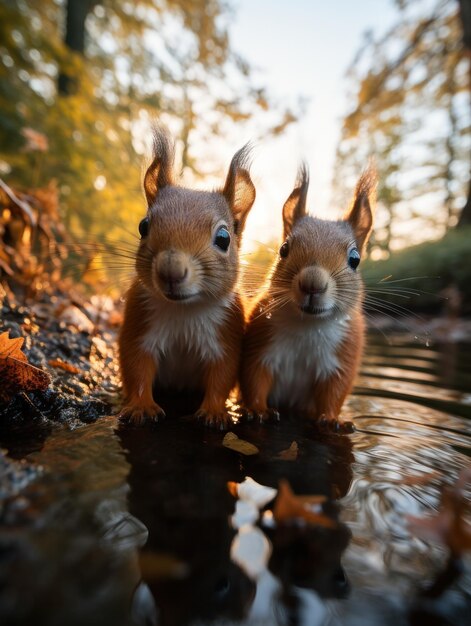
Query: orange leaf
{"type": "Point", "coordinates": [290, 454]}
{"type": "Point", "coordinates": [68, 367]}
{"type": "Point", "coordinates": [289, 507]}
{"type": "Point", "coordinates": [16, 373]}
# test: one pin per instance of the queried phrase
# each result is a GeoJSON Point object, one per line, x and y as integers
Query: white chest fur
{"type": "Point", "coordinates": [183, 337]}
{"type": "Point", "coordinates": [301, 353]}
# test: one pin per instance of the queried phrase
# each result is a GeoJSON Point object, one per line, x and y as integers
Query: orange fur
{"type": "Point", "coordinates": [305, 334]}
{"type": "Point", "coordinates": [183, 321]}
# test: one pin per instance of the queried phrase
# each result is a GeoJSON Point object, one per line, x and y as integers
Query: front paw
{"type": "Point", "coordinates": [333, 424]}
{"type": "Point", "coordinates": [138, 414]}
{"type": "Point", "coordinates": [262, 416]}
{"type": "Point", "coordinates": [219, 420]}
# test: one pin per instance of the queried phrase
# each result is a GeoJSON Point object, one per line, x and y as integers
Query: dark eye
{"type": "Point", "coordinates": [284, 250]}
{"type": "Point", "coordinates": [354, 258]}
{"type": "Point", "coordinates": [222, 239]}
{"type": "Point", "coordinates": [144, 227]}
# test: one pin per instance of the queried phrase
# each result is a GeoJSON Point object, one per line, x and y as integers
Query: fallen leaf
{"type": "Point", "coordinates": [232, 441]}
{"type": "Point", "coordinates": [290, 454]}
{"type": "Point", "coordinates": [449, 526]}
{"type": "Point", "coordinates": [289, 507]}
{"type": "Point", "coordinates": [67, 367]}
{"type": "Point", "coordinates": [16, 373]}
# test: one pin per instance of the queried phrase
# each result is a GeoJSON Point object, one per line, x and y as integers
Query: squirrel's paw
{"type": "Point", "coordinates": [335, 425]}
{"type": "Point", "coordinates": [261, 416]}
{"type": "Point", "coordinates": [220, 420]}
{"type": "Point", "coordinates": [139, 414]}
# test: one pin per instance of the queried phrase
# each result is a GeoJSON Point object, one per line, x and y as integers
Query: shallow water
{"type": "Point", "coordinates": [135, 526]}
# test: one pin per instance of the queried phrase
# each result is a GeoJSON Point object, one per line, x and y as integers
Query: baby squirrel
{"type": "Point", "coordinates": [305, 334]}
{"type": "Point", "coordinates": [183, 322]}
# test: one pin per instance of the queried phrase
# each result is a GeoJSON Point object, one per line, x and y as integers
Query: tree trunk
{"type": "Point", "coordinates": [465, 13]}
{"type": "Point", "coordinates": [74, 39]}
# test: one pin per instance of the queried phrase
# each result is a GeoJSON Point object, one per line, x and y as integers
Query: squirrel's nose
{"type": "Point", "coordinates": [312, 288]}
{"type": "Point", "coordinates": [173, 276]}
{"type": "Point", "coordinates": [171, 268]}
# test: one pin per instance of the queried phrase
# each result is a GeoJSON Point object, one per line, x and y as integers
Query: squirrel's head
{"type": "Point", "coordinates": [317, 269]}
{"type": "Point", "coordinates": [190, 239]}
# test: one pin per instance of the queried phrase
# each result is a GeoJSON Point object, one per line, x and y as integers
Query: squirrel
{"type": "Point", "coordinates": [184, 321]}
{"type": "Point", "coordinates": [305, 333]}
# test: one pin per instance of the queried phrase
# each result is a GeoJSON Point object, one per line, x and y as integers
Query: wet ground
{"type": "Point", "coordinates": [105, 524]}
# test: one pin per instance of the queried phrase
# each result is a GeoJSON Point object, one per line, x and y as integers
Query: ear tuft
{"type": "Point", "coordinates": [160, 172]}
{"type": "Point", "coordinates": [295, 206]}
{"type": "Point", "coordinates": [239, 189]}
{"type": "Point", "coordinates": [360, 213]}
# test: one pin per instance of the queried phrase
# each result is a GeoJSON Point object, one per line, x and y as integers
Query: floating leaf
{"type": "Point", "coordinates": [232, 441]}
{"type": "Point", "coordinates": [289, 507]}
{"type": "Point", "coordinates": [290, 454]}
{"type": "Point", "coordinates": [16, 373]}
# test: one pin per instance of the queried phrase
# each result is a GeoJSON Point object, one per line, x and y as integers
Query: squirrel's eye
{"type": "Point", "coordinates": [354, 258]}
{"type": "Point", "coordinates": [144, 227]}
{"type": "Point", "coordinates": [222, 239]}
{"type": "Point", "coordinates": [284, 250]}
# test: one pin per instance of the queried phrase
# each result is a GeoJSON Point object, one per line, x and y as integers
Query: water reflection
{"type": "Point", "coordinates": [137, 527]}
{"type": "Point", "coordinates": [178, 481]}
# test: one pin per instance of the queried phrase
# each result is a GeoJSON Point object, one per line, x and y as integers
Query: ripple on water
{"type": "Point", "coordinates": [152, 503]}
{"type": "Point", "coordinates": [412, 420]}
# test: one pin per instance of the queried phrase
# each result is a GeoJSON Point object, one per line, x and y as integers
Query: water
{"type": "Point", "coordinates": [134, 526]}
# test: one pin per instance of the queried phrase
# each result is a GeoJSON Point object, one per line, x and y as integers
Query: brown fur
{"type": "Point", "coordinates": [183, 276]}
{"type": "Point", "coordinates": [315, 276]}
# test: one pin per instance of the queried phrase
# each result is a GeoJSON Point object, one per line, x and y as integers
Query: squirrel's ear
{"type": "Point", "coordinates": [295, 206]}
{"type": "Point", "coordinates": [239, 189]}
{"type": "Point", "coordinates": [360, 213]}
{"type": "Point", "coordinates": [159, 174]}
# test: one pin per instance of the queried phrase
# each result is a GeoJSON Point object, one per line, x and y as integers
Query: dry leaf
{"type": "Point", "coordinates": [289, 507]}
{"type": "Point", "coordinates": [232, 441]}
{"type": "Point", "coordinates": [67, 367]}
{"type": "Point", "coordinates": [290, 454]}
{"type": "Point", "coordinates": [16, 373]}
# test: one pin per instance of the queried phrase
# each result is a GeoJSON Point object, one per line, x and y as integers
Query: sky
{"type": "Point", "coordinates": [302, 48]}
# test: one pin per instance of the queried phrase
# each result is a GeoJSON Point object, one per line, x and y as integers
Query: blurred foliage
{"type": "Point", "coordinates": [33, 241]}
{"type": "Point", "coordinates": [411, 114]}
{"type": "Point", "coordinates": [170, 59]}
{"type": "Point", "coordinates": [435, 275]}
{"type": "Point", "coordinates": [256, 265]}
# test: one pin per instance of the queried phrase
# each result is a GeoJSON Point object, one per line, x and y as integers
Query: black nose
{"type": "Point", "coordinates": [311, 288]}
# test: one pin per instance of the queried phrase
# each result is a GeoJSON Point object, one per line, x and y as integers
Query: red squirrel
{"type": "Point", "coordinates": [183, 322]}
{"type": "Point", "coordinates": [305, 333]}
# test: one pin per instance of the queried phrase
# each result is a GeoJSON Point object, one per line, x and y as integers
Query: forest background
{"type": "Point", "coordinates": [82, 80]}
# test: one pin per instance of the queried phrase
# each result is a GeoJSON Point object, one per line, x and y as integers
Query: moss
{"type": "Point", "coordinates": [430, 268]}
